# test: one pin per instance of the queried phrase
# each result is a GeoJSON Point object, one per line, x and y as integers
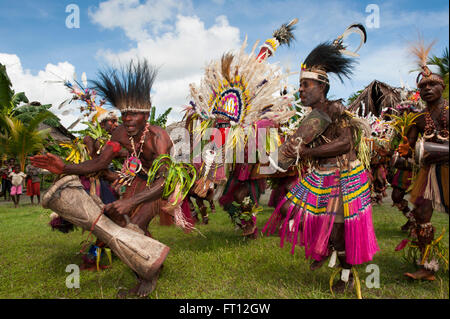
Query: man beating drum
{"type": "Point", "coordinates": [128, 89]}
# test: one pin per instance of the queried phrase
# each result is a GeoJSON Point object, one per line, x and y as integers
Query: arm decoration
{"type": "Point", "coordinates": [179, 177]}
{"type": "Point", "coordinates": [115, 145]}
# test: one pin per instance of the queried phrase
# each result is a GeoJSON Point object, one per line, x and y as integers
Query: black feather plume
{"type": "Point", "coordinates": [285, 34]}
{"type": "Point", "coordinates": [330, 59]}
{"type": "Point", "coordinates": [129, 85]}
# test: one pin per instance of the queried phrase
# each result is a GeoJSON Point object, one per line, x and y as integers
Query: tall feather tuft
{"type": "Point", "coordinates": [226, 61]}
{"type": "Point", "coordinates": [327, 57]}
{"type": "Point", "coordinates": [129, 85]}
{"type": "Point", "coordinates": [421, 51]}
{"type": "Point", "coordinates": [285, 34]}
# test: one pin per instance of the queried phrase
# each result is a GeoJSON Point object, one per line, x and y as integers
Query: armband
{"type": "Point", "coordinates": [115, 145]}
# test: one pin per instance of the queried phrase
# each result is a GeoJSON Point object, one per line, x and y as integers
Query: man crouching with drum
{"type": "Point", "coordinates": [128, 89]}
{"type": "Point", "coordinates": [329, 211]}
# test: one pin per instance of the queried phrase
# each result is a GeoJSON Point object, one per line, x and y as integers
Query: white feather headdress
{"type": "Point", "coordinates": [243, 89]}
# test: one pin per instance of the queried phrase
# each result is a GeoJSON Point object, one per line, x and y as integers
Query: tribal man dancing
{"type": "Point", "coordinates": [329, 210]}
{"type": "Point", "coordinates": [430, 188]}
{"type": "Point", "coordinates": [127, 89]}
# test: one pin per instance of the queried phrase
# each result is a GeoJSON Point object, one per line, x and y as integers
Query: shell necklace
{"type": "Point", "coordinates": [133, 165]}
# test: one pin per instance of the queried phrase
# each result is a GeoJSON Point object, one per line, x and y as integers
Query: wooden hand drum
{"type": "Point", "coordinates": [141, 253]}
{"type": "Point", "coordinates": [427, 153]}
{"type": "Point", "coordinates": [312, 125]}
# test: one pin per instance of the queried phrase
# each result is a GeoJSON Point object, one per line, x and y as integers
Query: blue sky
{"type": "Point", "coordinates": [181, 37]}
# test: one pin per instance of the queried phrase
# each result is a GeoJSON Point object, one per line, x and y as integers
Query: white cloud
{"type": "Point", "coordinates": [37, 87]}
{"type": "Point", "coordinates": [180, 54]}
{"type": "Point", "coordinates": [135, 18]}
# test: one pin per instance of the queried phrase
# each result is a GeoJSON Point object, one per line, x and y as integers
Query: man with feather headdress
{"type": "Point", "coordinates": [430, 189]}
{"type": "Point", "coordinates": [128, 89]}
{"type": "Point", "coordinates": [235, 101]}
{"type": "Point", "coordinates": [329, 211]}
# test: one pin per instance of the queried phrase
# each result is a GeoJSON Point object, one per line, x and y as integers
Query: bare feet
{"type": "Point", "coordinates": [421, 274]}
{"type": "Point", "coordinates": [342, 286]}
{"type": "Point", "coordinates": [143, 288]}
{"type": "Point", "coordinates": [316, 264]}
{"type": "Point", "coordinates": [147, 286]}
{"type": "Point", "coordinates": [253, 235]}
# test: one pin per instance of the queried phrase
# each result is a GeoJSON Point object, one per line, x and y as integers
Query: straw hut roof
{"type": "Point", "coordinates": [374, 98]}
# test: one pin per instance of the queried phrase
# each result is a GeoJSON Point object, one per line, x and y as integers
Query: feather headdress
{"type": "Point", "coordinates": [421, 51]}
{"type": "Point", "coordinates": [102, 115]}
{"type": "Point", "coordinates": [326, 58]}
{"type": "Point", "coordinates": [128, 87]}
{"type": "Point", "coordinates": [241, 89]}
{"type": "Point", "coordinates": [330, 57]}
{"type": "Point", "coordinates": [282, 36]}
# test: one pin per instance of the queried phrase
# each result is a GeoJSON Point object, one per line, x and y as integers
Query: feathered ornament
{"type": "Point", "coordinates": [421, 51]}
{"type": "Point", "coordinates": [128, 87]}
{"type": "Point", "coordinates": [329, 57]}
{"type": "Point", "coordinates": [80, 92]}
{"type": "Point", "coordinates": [282, 36]}
{"type": "Point", "coordinates": [240, 88]}
{"type": "Point", "coordinates": [285, 34]}
{"type": "Point", "coordinates": [357, 28]}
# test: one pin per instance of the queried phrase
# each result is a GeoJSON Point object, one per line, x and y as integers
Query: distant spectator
{"type": "Point", "coordinates": [6, 183]}
{"type": "Point", "coordinates": [6, 180]}
{"type": "Point", "coordinates": [33, 183]}
{"type": "Point", "coordinates": [17, 178]}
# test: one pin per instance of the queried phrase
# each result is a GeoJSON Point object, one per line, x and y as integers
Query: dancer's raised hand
{"type": "Point", "coordinates": [49, 162]}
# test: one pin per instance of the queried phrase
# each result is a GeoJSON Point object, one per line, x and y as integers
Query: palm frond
{"type": "Point", "coordinates": [6, 92]}
{"type": "Point", "coordinates": [441, 62]}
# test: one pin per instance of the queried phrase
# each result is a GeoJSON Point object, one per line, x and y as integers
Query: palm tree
{"type": "Point", "coordinates": [9, 100]}
{"type": "Point", "coordinates": [161, 120]}
{"type": "Point", "coordinates": [442, 64]}
{"type": "Point", "coordinates": [20, 140]}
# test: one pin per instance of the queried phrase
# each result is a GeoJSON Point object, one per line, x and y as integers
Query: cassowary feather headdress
{"type": "Point", "coordinates": [128, 87]}
{"type": "Point", "coordinates": [330, 57]}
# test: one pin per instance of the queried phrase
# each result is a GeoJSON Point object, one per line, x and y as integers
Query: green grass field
{"type": "Point", "coordinates": [223, 264]}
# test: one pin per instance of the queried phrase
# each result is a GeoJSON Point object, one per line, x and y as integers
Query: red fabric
{"type": "Point", "coordinates": [187, 211]}
{"type": "Point", "coordinates": [115, 145]}
{"type": "Point", "coordinates": [33, 188]}
{"type": "Point", "coordinates": [223, 133]}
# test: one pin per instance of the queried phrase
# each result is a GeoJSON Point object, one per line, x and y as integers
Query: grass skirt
{"type": "Point", "coordinates": [431, 183]}
{"type": "Point", "coordinates": [314, 202]}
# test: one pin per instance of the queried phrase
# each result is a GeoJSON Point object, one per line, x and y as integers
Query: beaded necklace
{"type": "Point", "coordinates": [133, 165]}
{"type": "Point", "coordinates": [430, 126]}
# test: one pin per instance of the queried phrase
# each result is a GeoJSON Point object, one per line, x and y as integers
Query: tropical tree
{"type": "Point", "coordinates": [442, 64]}
{"type": "Point", "coordinates": [20, 140]}
{"type": "Point", "coordinates": [27, 112]}
{"type": "Point", "coordinates": [354, 96]}
{"type": "Point", "coordinates": [9, 100]}
{"type": "Point", "coordinates": [161, 120]}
